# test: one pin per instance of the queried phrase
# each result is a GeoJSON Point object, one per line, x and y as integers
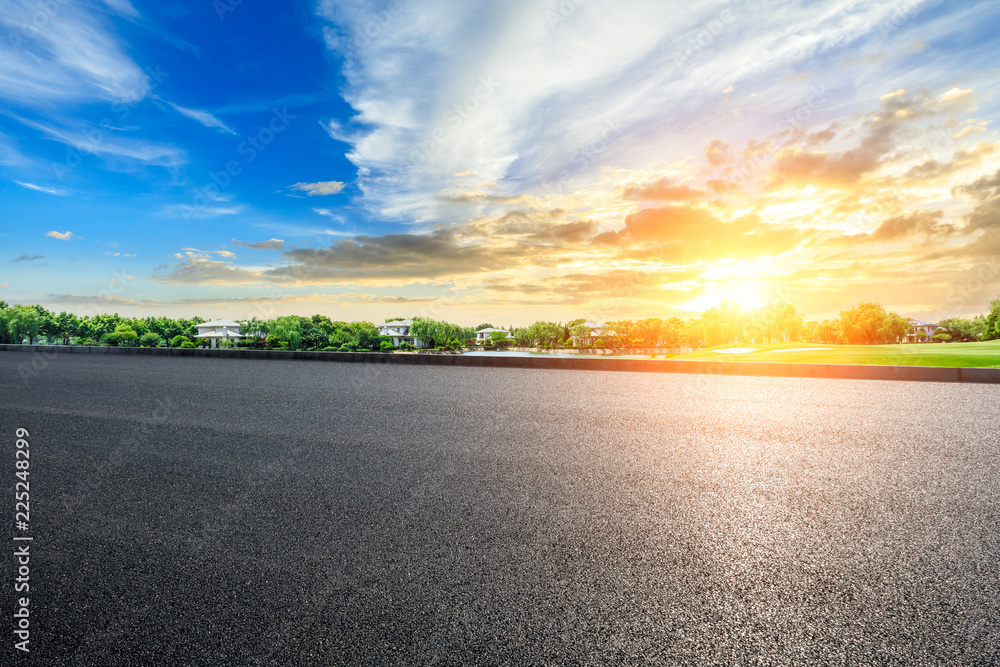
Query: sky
{"type": "Point", "coordinates": [499, 162]}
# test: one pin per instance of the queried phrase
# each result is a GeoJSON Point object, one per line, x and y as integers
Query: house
{"type": "Point", "coordinates": [918, 329]}
{"type": "Point", "coordinates": [486, 334]}
{"type": "Point", "coordinates": [595, 331]}
{"type": "Point", "coordinates": [219, 329]}
{"type": "Point", "coordinates": [399, 332]}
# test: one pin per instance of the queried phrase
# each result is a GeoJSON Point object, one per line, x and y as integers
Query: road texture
{"type": "Point", "coordinates": [219, 511]}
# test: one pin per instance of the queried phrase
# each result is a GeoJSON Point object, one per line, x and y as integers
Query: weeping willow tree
{"type": "Point", "coordinates": [287, 329]}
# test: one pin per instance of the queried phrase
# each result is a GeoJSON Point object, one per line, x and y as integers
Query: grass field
{"type": "Point", "coordinates": [968, 355]}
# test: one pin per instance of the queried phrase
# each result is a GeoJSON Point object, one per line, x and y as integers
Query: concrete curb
{"type": "Point", "coordinates": [836, 371]}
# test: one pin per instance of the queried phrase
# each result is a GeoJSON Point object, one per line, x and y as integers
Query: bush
{"type": "Point", "coordinates": [150, 340]}
{"type": "Point", "coordinates": [178, 341]}
{"type": "Point", "coordinates": [406, 346]}
{"type": "Point", "coordinates": [187, 344]}
{"type": "Point", "coordinates": [343, 348]}
{"type": "Point", "coordinates": [385, 346]}
{"type": "Point", "coordinates": [330, 348]}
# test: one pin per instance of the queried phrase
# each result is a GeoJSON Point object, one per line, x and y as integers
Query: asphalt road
{"type": "Point", "coordinates": [219, 511]}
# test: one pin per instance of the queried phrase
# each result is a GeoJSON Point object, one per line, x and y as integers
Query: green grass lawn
{"type": "Point", "coordinates": [968, 355]}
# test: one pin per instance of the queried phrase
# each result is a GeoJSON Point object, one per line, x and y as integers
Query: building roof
{"type": "Point", "coordinates": [919, 323]}
{"type": "Point", "coordinates": [219, 323]}
{"type": "Point", "coordinates": [225, 333]}
{"type": "Point", "coordinates": [491, 330]}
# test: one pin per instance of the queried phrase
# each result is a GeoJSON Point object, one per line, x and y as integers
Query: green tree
{"type": "Point", "coordinates": [992, 324]}
{"type": "Point", "coordinates": [499, 339]}
{"type": "Point", "coordinates": [150, 339]}
{"type": "Point", "coordinates": [288, 330]}
{"type": "Point", "coordinates": [22, 322]}
{"type": "Point", "coordinates": [68, 326]}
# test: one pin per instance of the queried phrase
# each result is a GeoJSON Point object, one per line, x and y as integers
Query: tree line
{"type": "Point", "coordinates": [727, 323]}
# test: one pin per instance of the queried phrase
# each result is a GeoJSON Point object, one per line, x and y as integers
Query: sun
{"type": "Point", "coordinates": [748, 296]}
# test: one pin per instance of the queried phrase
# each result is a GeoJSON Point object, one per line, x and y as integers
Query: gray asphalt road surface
{"type": "Point", "coordinates": [217, 511]}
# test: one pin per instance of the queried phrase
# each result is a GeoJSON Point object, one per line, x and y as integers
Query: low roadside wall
{"type": "Point", "coordinates": [844, 371]}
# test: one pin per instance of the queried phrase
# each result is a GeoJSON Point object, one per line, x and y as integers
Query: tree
{"type": "Point", "coordinates": [123, 335]}
{"type": "Point", "coordinates": [68, 326]}
{"type": "Point", "coordinates": [992, 328]}
{"type": "Point", "coordinates": [255, 330]}
{"type": "Point", "coordinates": [21, 322]}
{"type": "Point", "coordinates": [965, 330]}
{"type": "Point", "coordinates": [870, 324]}
{"type": "Point", "coordinates": [498, 339]}
{"type": "Point", "coordinates": [150, 339]}
{"type": "Point", "coordinates": [178, 341]}
{"type": "Point", "coordinates": [288, 330]}
{"type": "Point", "coordinates": [480, 327]}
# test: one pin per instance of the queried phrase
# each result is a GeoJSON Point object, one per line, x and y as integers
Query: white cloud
{"type": "Point", "coordinates": [320, 188]}
{"type": "Point", "coordinates": [203, 117]}
{"type": "Point", "coordinates": [62, 236]}
{"type": "Point", "coordinates": [107, 145]}
{"type": "Point", "coordinates": [60, 51]}
{"type": "Point", "coordinates": [529, 93]}
{"type": "Point", "coordinates": [38, 188]}
{"type": "Point", "coordinates": [123, 7]}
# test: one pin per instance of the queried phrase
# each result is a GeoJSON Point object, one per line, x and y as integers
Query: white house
{"type": "Point", "coordinates": [219, 329]}
{"type": "Point", "coordinates": [486, 334]}
{"type": "Point", "coordinates": [916, 327]}
{"type": "Point", "coordinates": [595, 331]}
{"type": "Point", "coordinates": [399, 332]}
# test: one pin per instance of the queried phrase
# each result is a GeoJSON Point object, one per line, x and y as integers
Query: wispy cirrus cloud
{"type": "Point", "coordinates": [123, 7]}
{"type": "Point", "coordinates": [203, 117]}
{"type": "Point", "coordinates": [62, 236]}
{"type": "Point", "coordinates": [59, 192]}
{"type": "Point", "coordinates": [109, 146]}
{"type": "Point", "coordinates": [62, 51]}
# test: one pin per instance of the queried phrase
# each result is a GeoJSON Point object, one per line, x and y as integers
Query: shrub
{"type": "Point", "coordinates": [187, 344]}
{"type": "Point", "coordinates": [330, 348]}
{"type": "Point", "coordinates": [343, 348]}
{"type": "Point", "coordinates": [178, 341]}
{"type": "Point", "coordinates": [385, 346]}
{"type": "Point", "coordinates": [406, 346]}
{"type": "Point", "coordinates": [150, 339]}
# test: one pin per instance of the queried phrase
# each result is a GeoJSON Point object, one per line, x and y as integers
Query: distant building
{"type": "Point", "coordinates": [399, 332]}
{"type": "Point", "coordinates": [916, 327]}
{"type": "Point", "coordinates": [595, 331]}
{"type": "Point", "coordinates": [487, 334]}
{"type": "Point", "coordinates": [219, 330]}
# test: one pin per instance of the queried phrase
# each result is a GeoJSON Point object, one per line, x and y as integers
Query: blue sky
{"type": "Point", "coordinates": [497, 161]}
